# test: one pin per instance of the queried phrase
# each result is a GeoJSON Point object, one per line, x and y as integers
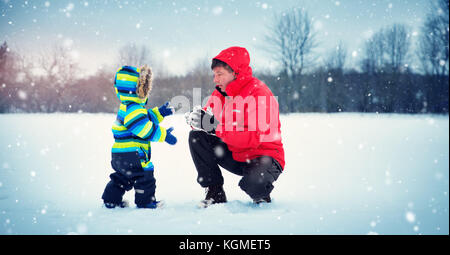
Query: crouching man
{"type": "Point", "coordinates": [238, 129]}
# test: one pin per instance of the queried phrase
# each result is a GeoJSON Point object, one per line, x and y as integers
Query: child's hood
{"type": "Point", "coordinates": [126, 83]}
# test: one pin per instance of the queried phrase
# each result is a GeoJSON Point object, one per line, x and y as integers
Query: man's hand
{"type": "Point", "coordinates": [200, 119]}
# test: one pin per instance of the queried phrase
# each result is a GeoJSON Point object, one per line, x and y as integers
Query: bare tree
{"type": "Point", "coordinates": [58, 65]}
{"type": "Point", "coordinates": [386, 53]}
{"type": "Point", "coordinates": [433, 54]}
{"type": "Point", "coordinates": [291, 41]}
{"type": "Point", "coordinates": [6, 88]}
{"type": "Point", "coordinates": [337, 58]}
{"type": "Point", "coordinates": [3, 56]}
{"type": "Point", "coordinates": [398, 43]}
{"type": "Point", "coordinates": [375, 50]}
{"type": "Point", "coordinates": [397, 47]}
{"type": "Point", "coordinates": [134, 55]}
{"type": "Point", "coordinates": [434, 41]}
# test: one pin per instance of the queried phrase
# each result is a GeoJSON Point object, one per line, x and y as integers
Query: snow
{"type": "Point", "coordinates": [345, 174]}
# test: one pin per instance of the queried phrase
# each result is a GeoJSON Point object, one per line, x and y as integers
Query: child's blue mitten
{"type": "Point", "coordinates": [166, 110]}
{"type": "Point", "coordinates": [170, 139]}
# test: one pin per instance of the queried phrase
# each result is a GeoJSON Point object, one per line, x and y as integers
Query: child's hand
{"type": "Point", "coordinates": [170, 139]}
{"type": "Point", "coordinates": [166, 110]}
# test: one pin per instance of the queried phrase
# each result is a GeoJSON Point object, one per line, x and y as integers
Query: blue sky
{"type": "Point", "coordinates": [181, 33]}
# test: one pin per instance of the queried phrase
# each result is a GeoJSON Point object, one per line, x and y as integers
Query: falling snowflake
{"type": "Point", "coordinates": [22, 95]}
{"type": "Point", "coordinates": [219, 151]}
{"type": "Point", "coordinates": [410, 217]}
{"type": "Point", "coordinates": [217, 10]}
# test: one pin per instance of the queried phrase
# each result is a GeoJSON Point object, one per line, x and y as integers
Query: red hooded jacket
{"type": "Point", "coordinates": [249, 116]}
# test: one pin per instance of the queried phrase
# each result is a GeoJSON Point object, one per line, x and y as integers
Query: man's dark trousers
{"type": "Point", "coordinates": [209, 152]}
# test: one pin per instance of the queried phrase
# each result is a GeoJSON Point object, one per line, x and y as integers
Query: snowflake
{"type": "Point", "coordinates": [217, 10]}
{"type": "Point", "coordinates": [410, 217]}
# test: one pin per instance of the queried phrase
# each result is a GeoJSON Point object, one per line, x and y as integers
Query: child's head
{"type": "Point", "coordinates": [145, 82]}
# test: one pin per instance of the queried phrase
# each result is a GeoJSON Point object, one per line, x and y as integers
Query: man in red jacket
{"type": "Point", "coordinates": [238, 129]}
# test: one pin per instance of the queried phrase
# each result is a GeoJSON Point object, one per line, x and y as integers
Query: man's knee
{"type": "Point", "coordinates": [257, 185]}
{"type": "Point", "coordinates": [196, 136]}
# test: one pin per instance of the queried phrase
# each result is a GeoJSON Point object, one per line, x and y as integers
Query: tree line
{"type": "Point", "coordinates": [383, 81]}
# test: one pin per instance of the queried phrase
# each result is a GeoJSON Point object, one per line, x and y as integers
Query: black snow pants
{"type": "Point", "coordinates": [209, 152]}
{"type": "Point", "coordinates": [129, 174]}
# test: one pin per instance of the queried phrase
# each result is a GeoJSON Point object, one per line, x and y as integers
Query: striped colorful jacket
{"type": "Point", "coordinates": [135, 127]}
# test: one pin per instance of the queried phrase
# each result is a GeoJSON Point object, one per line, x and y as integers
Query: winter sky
{"type": "Point", "coordinates": [181, 33]}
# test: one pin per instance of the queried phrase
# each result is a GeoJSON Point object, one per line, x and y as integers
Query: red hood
{"type": "Point", "coordinates": [239, 60]}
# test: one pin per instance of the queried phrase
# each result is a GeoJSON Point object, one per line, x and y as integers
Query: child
{"type": "Point", "coordinates": [133, 130]}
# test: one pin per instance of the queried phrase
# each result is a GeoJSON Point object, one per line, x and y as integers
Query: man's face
{"type": "Point", "coordinates": [222, 77]}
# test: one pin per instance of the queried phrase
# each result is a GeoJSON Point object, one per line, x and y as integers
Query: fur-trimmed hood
{"type": "Point", "coordinates": [126, 83]}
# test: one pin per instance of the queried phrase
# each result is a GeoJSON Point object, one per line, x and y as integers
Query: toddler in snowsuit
{"type": "Point", "coordinates": [133, 130]}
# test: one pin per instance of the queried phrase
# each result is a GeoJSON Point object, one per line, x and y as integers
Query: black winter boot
{"type": "Point", "coordinates": [262, 200]}
{"type": "Point", "coordinates": [214, 195]}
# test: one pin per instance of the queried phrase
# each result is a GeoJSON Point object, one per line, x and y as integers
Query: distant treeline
{"type": "Point", "coordinates": [321, 91]}
{"type": "Point", "coordinates": [383, 80]}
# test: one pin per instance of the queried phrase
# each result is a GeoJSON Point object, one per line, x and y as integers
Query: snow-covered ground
{"type": "Point", "coordinates": [345, 174]}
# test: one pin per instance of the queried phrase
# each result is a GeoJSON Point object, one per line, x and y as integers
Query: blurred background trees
{"type": "Point", "coordinates": [383, 80]}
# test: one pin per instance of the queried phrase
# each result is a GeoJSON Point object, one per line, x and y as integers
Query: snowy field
{"type": "Point", "coordinates": [345, 174]}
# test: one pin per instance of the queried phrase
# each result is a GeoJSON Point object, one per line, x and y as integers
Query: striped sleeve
{"type": "Point", "coordinates": [155, 116]}
{"type": "Point", "coordinates": [158, 114]}
{"type": "Point", "coordinates": [137, 122]}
